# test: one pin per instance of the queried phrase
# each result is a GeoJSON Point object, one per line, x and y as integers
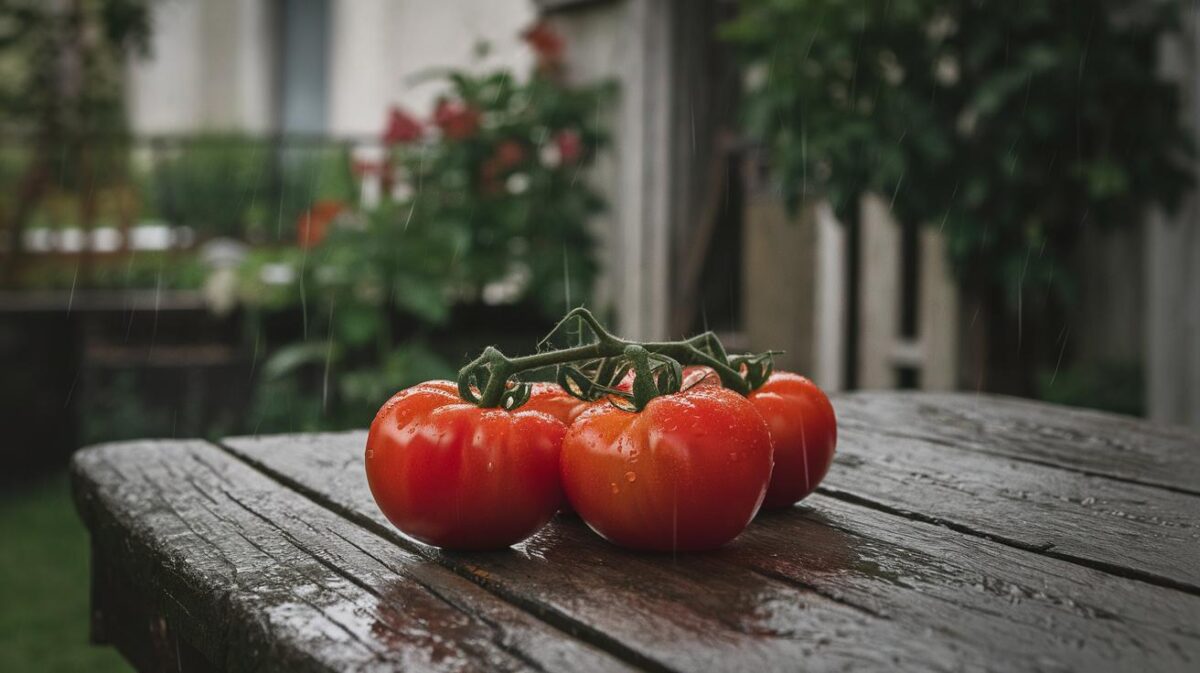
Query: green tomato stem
{"type": "Point", "coordinates": [493, 369]}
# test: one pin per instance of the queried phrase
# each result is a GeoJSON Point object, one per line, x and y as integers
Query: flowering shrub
{"type": "Point", "coordinates": [482, 200]}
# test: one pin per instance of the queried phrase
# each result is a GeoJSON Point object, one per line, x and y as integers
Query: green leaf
{"type": "Point", "coordinates": [357, 324]}
{"type": "Point", "coordinates": [425, 300]}
{"type": "Point", "coordinates": [289, 359]}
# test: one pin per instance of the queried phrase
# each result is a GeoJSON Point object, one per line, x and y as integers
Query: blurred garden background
{"type": "Point", "coordinates": [260, 216]}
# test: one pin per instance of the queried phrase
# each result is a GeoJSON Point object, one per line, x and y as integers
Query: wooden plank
{"type": "Point", "coordinates": [125, 614]}
{"type": "Point", "coordinates": [849, 554]}
{"type": "Point", "coordinates": [1086, 441]}
{"type": "Point", "coordinates": [1057, 615]}
{"type": "Point", "coordinates": [691, 612]}
{"type": "Point", "coordinates": [256, 577]}
{"type": "Point", "coordinates": [1129, 529]}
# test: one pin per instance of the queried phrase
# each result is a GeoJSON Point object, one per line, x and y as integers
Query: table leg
{"type": "Point", "coordinates": [125, 616]}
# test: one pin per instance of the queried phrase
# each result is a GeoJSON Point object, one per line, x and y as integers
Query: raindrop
{"type": "Point", "coordinates": [615, 489]}
{"type": "Point", "coordinates": [631, 476]}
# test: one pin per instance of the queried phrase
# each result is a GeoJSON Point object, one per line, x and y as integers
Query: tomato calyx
{"type": "Point", "coordinates": [755, 368]}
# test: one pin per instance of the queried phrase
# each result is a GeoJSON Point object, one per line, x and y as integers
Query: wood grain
{"type": "Point", "coordinates": [256, 577]}
{"type": "Point", "coordinates": [950, 535]}
{"type": "Point", "coordinates": [687, 613]}
{"type": "Point", "coordinates": [991, 605]}
{"type": "Point", "coordinates": [1058, 615]}
{"type": "Point", "coordinates": [1126, 528]}
{"type": "Point", "coordinates": [1079, 440]}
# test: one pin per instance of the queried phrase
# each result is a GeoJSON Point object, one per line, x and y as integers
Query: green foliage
{"type": "Point", "coordinates": [1010, 125]}
{"type": "Point", "coordinates": [44, 582]}
{"type": "Point", "coordinates": [484, 203]}
{"type": "Point", "coordinates": [243, 187]}
{"type": "Point", "coordinates": [312, 386]}
{"type": "Point", "coordinates": [1110, 386]}
{"type": "Point", "coordinates": [143, 270]}
{"type": "Point", "coordinates": [527, 216]}
{"type": "Point", "coordinates": [55, 82]}
{"type": "Point", "coordinates": [118, 411]}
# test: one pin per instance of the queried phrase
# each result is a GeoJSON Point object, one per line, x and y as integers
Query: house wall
{"type": "Point", "coordinates": [381, 47]}
{"type": "Point", "coordinates": [214, 64]}
{"type": "Point", "coordinates": [211, 67]}
{"type": "Point", "coordinates": [634, 42]}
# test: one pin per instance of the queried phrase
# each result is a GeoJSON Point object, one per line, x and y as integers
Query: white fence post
{"type": "Point", "coordinates": [882, 350]}
{"type": "Point", "coordinates": [829, 347]}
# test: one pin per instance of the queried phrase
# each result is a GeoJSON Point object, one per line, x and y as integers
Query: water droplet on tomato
{"type": "Point", "coordinates": [491, 466]}
{"type": "Point", "coordinates": [631, 477]}
{"type": "Point", "coordinates": [615, 489]}
{"type": "Point", "coordinates": [370, 453]}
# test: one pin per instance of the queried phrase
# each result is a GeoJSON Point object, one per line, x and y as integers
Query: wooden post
{"type": "Point", "coordinates": [831, 305]}
{"type": "Point", "coordinates": [1172, 337]}
{"type": "Point", "coordinates": [782, 281]}
{"type": "Point", "coordinates": [883, 351]}
{"type": "Point", "coordinates": [879, 296]}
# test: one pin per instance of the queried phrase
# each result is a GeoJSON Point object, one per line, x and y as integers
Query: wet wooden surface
{"type": "Point", "coordinates": [954, 532]}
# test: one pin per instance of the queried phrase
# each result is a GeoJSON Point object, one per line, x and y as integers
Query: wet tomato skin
{"type": "Point", "coordinates": [804, 429]}
{"type": "Point", "coordinates": [451, 474]}
{"type": "Point", "coordinates": [552, 399]}
{"type": "Point", "coordinates": [687, 473]}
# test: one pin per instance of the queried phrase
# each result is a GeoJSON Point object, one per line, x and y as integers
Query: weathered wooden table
{"type": "Point", "coordinates": [955, 532]}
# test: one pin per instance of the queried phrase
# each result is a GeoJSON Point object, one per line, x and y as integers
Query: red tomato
{"type": "Point", "coordinates": [552, 399]}
{"type": "Point", "coordinates": [693, 375]}
{"type": "Point", "coordinates": [700, 375]}
{"type": "Point", "coordinates": [804, 429]}
{"type": "Point", "coordinates": [451, 474]}
{"type": "Point", "coordinates": [686, 473]}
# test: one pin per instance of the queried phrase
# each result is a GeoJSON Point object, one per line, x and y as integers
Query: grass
{"type": "Point", "coordinates": [44, 583]}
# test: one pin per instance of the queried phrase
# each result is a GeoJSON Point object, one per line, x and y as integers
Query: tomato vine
{"type": "Point", "coordinates": [591, 370]}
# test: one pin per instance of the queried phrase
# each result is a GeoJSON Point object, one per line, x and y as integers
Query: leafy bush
{"type": "Point", "coordinates": [484, 202]}
{"type": "Point", "coordinates": [1008, 124]}
{"type": "Point", "coordinates": [1111, 386]}
{"type": "Point", "coordinates": [243, 187]}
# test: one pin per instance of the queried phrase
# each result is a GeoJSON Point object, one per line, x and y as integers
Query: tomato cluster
{"type": "Point", "coordinates": [686, 471]}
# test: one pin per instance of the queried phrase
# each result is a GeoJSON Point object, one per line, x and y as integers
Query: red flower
{"type": "Point", "coordinates": [456, 119]}
{"type": "Point", "coordinates": [546, 44]}
{"type": "Point", "coordinates": [312, 226]}
{"type": "Point", "coordinates": [570, 145]}
{"type": "Point", "coordinates": [509, 154]}
{"type": "Point", "coordinates": [401, 127]}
